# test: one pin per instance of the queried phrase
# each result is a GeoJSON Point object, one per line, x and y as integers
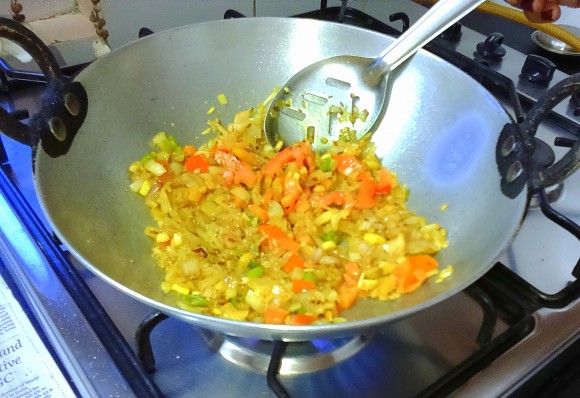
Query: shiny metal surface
{"type": "Point", "coordinates": [554, 45]}
{"type": "Point", "coordinates": [443, 152]}
{"type": "Point", "coordinates": [348, 82]}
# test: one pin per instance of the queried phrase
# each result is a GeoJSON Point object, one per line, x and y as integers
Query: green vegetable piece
{"type": "Point", "coordinates": [330, 236]}
{"type": "Point", "coordinates": [309, 276]}
{"type": "Point", "coordinates": [255, 272]}
{"type": "Point", "coordinates": [326, 163]}
{"type": "Point", "coordinates": [196, 300]}
{"type": "Point", "coordinates": [148, 157]}
{"type": "Point", "coordinates": [253, 264]}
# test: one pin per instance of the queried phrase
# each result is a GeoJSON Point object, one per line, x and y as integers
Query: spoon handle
{"type": "Point", "coordinates": [438, 18]}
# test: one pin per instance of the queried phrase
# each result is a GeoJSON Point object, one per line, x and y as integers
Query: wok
{"type": "Point", "coordinates": [447, 138]}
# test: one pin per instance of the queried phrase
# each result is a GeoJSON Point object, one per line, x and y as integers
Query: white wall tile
{"type": "Point", "coordinates": [125, 17]}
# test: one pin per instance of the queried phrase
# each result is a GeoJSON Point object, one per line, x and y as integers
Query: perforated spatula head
{"type": "Point", "coordinates": [349, 92]}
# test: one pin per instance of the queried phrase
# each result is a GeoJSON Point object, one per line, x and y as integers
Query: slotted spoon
{"type": "Point", "coordinates": [347, 90]}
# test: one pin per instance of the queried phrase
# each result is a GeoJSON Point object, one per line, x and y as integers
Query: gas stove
{"type": "Point", "coordinates": [515, 332]}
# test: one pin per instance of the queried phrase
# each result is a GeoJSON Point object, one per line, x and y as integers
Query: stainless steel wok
{"type": "Point", "coordinates": [440, 134]}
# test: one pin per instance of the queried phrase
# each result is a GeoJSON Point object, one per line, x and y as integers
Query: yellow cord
{"type": "Point", "coordinates": [550, 29]}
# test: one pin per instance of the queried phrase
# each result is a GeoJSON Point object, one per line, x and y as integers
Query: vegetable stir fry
{"type": "Point", "coordinates": [250, 232]}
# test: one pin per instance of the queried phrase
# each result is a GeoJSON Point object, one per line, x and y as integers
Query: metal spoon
{"type": "Point", "coordinates": [349, 91]}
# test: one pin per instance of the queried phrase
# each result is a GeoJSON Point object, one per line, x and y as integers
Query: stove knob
{"type": "Point", "coordinates": [538, 69]}
{"type": "Point", "coordinates": [492, 47]}
{"type": "Point", "coordinates": [453, 33]}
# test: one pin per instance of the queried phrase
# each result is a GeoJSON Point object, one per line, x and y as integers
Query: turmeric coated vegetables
{"type": "Point", "coordinates": [249, 232]}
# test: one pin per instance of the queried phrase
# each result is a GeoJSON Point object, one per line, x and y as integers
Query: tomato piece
{"type": "Point", "coordinates": [365, 198]}
{"type": "Point", "coordinates": [196, 162]}
{"type": "Point", "coordinates": [274, 233]}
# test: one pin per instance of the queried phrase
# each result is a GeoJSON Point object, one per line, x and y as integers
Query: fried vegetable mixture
{"type": "Point", "coordinates": [249, 232]}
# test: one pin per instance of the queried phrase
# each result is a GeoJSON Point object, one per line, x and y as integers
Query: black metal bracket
{"type": "Point", "coordinates": [516, 146]}
{"type": "Point", "coordinates": [64, 103]}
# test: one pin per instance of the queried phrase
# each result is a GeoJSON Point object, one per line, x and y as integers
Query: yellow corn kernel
{"type": "Point", "coordinates": [374, 239]}
{"type": "Point", "coordinates": [162, 237]}
{"type": "Point", "coordinates": [222, 99]}
{"type": "Point", "coordinates": [245, 259]}
{"type": "Point", "coordinates": [328, 245]}
{"type": "Point", "coordinates": [145, 188]}
{"type": "Point", "coordinates": [179, 288]}
{"type": "Point", "coordinates": [211, 110]}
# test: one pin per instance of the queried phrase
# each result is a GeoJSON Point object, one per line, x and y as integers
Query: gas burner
{"type": "Point", "coordinates": [299, 358]}
{"type": "Point", "coordinates": [552, 194]}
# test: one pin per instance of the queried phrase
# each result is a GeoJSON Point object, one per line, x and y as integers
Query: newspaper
{"type": "Point", "coordinates": [27, 369]}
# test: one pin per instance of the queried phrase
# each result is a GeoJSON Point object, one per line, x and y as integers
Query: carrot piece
{"type": "Point", "coordinates": [196, 162]}
{"type": "Point", "coordinates": [385, 183]}
{"type": "Point", "coordinates": [414, 271]}
{"type": "Point", "coordinates": [293, 262]}
{"type": "Point", "coordinates": [301, 319]}
{"type": "Point", "coordinates": [189, 150]}
{"type": "Point", "coordinates": [347, 164]}
{"type": "Point", "coordinates": [347, 296]}
{"type": "Point", "coordinates": [275, 315]}
{"type": "Point", "coordinates": [274, 233]}
{"type": "Point", "coordinates": [301, 285]}
{"type": "Point", "coordinates": [258, 212]}
{"type": "Point", "coordinates": [365, 198]}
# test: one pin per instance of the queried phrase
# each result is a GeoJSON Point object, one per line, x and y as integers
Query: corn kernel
{"type": "Point", "coordinates": [162, 237]}
{"type": "Point", "coordinates": [222, 99]}
{"type": "Point", "coordinates": [374, 239]}
{"type": "Point", "coordinates": [211, 110]}
{"type": "Point", "coordinates": [328, 245]}
{"type": "Point", "coordinates": [245, 259]}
